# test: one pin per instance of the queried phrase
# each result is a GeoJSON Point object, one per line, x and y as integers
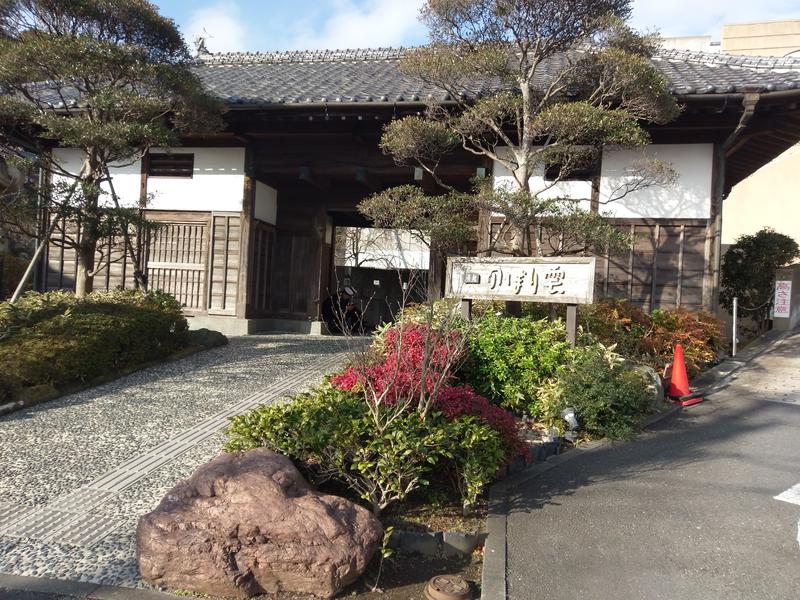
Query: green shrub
{"type": "Point", "coordinates": [509, 358]}
{"type": "Point", "coordinates": [443, 310]}
{"type": "Point", "coordinates": [58, 339]}
{"type": "Point", "coordinates": [609, 397]}
{"type": "Point", "coordinates": [748, 270]}
{"type": "Point", "coordinates": [476, 451]}
{"type": "Point", "coordinates": [329, 432]}
{"type": "Point", "coordinates": [34, 307]}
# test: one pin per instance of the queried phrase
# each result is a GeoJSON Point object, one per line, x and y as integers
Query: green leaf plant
{"type": "Point", "coordinates": [111, 78]}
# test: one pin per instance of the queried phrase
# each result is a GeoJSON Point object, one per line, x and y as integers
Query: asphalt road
{"type": "Point", "coordinates": [9, 594]}
{"type": "Point", "coordinates": [687, 511]}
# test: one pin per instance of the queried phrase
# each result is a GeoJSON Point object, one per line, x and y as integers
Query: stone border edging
{"type": "Point", "coordinates": [493, 580]}
{"type": "Point", "coordinates": [79, 589]}
{"type": "Point", "coordinates": [448, 544]}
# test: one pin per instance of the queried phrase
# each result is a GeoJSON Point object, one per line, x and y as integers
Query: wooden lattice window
{"type": "Point", "coordinates": [171, 165]}
{"type": "Point", "coordinates": [581, 173]}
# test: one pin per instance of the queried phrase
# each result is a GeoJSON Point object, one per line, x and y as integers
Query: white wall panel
{"type": "Point", "coordinates": [127, 177]}
{"type": "Point", "coordinates": [689, 197]}
{"type": "Point", "coordinates": [266, 203]}
{"type": "Point", "coordinates": [217, 183]}
{"type": "Point", "coordinates": [573, 190]}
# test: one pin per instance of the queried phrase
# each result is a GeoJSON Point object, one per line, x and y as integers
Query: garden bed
{"type": "Point", "coordinates": [53, 343]}
{"type": "Point", "coordinates": [418, 425]}
{"type": "Point", "coordinates": [421, 515]}
{"type": "Point", "coordinates": [26, 397]}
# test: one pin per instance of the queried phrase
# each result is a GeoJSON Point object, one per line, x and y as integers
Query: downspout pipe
{"type": "Point", "coordinates": [749, 102]}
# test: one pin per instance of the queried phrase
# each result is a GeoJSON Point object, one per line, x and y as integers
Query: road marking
{"type": "Point", "coordinates": [791, 495]}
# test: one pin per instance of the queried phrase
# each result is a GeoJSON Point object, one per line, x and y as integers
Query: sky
{"type": "Point", "coordinates": [266, 25]}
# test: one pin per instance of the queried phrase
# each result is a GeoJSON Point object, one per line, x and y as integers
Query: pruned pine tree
{"type": "Point", "coordinates": [111, 78]}
{"type": "Point", "coordinates": [535, 86]}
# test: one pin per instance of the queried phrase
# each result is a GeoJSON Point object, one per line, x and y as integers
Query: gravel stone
{"type": "Point", "coordinates": [52, 449]}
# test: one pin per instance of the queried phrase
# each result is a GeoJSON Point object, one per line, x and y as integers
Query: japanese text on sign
{"type": "Point", "coordinates": [563, 280]}
{"type": "Point", "coordinates": [783, 299]}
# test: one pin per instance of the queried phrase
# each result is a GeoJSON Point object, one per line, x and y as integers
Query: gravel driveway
{"type": "Point", "coordinates": [76, 473]}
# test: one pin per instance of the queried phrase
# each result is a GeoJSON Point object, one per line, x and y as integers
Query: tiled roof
{"type": "Point", "coordinates": [372, 75]}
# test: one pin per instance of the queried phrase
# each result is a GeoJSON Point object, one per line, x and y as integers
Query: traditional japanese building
{"type": "Point", "coordinates": [250, 213]}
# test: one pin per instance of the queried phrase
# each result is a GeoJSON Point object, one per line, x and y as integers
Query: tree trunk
{"type": "Point", "coordinates": [91, 176]}
{"type": "Point", "coordinates": [437, 270]}
{"type": "Point", "coordinates": [84, 278]}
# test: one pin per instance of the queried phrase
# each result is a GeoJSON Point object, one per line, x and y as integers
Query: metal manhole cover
{"type": "Point", "coordinates": [447, 587]}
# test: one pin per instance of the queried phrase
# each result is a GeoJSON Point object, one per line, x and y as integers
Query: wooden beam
{"type": "Point", "coordinates": [714, 232]}
{"type": "Point", "coordinates": [745, 139]}
{"type": "Point", "coordinates": [244, 290]}
{"type": "Point", "coordinates": [319, 182]}
{"type": "Point", "coordinates": [368, 180]}
{"type": "Point", "coordinates": [654, 275]}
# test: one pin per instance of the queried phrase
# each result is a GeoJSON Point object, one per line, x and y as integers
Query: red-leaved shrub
{"type": "Point", "coordinates": [461, 400]}
{"type": "Point", "coordinates": [415, 356]}
{"type": "Point", "coordinates": [404, 369]}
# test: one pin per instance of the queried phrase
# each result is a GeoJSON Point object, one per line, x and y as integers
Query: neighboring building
{"type": "Point", "coordinates": [693, 43]}
{"type": "Point", "coordinates": [768, 198]}
{"type": "Point", "coordinates": [766, 38]}
{"type": "Point", "coordinates": [771, 196]}
{"type": "Point", "coordinates": [250, 214]}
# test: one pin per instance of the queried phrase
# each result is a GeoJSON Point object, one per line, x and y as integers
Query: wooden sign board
{"type": "Point", "coordinates": [562, 280]}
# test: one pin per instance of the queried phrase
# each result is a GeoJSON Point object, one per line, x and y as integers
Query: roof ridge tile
{"type": "Point", "coordinates": [303, 56]}
{"type": "Point", "coordinates": [730, 60]}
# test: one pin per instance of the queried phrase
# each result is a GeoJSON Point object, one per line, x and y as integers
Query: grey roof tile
{"type": "Point", "coordinates": [372, 75]}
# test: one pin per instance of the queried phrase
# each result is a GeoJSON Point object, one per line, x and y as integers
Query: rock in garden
{"type": "Point", "coordinates": [248, 523]}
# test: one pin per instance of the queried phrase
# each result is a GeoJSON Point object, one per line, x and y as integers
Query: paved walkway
{"type": "Point", "coordinates": [77, 473]}
{"type": "Point", "coordinates": [706, 505]}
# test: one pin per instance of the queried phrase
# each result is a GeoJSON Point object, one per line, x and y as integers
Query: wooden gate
{"type": "Point", "coordinates": [177, 262]}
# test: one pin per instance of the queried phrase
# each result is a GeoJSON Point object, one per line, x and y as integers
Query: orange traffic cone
{"type": "Point", "coordinates": [679, 382]}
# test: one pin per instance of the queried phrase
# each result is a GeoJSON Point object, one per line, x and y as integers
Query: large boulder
{"type": "Point", "coordinates": [248, 523]}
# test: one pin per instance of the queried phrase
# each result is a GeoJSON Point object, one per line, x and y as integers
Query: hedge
{"type": "Point", "coordinates": [55, 338]}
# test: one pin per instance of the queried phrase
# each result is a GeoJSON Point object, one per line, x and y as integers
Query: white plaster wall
{"type": "Point", "coordinates": [127, 181]}
{"type": "Point", "coordinates": [217, 184]}
{"type": "Point", "coordinates": [127, 178]}
{"type": "Point", "coordinates": [266, 203]}
{"type": "Point", "coordinates": [69, 159]}
{"type": "Point", "coordinates": [688, 198]}
{"type": "Point", "coordinates": [572, 190]}
{"type": "Point", "coordinates": [380, 249]}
